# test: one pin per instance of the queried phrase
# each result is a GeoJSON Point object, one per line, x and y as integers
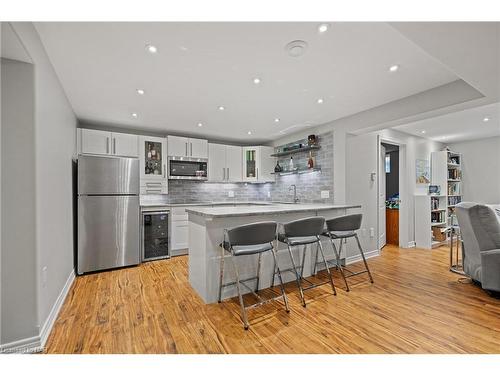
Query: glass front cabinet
{"type": "Point", "coordinates": [153, 157]}
{"type": "Point", "coordinates": [258, 164]}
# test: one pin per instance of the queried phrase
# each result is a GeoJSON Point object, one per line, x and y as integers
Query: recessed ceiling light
{"type": "Point", "coordinates": [394, 68]}
{"type": "Point", "coordinates": [249, 132]}
{"type": "Point", "coordinates": [134, 115]}
{"type": "Point", "coordinates": [276, 120]}
{"type": "Point", "coordinates": [140, 91]}
{"type": "Point", "coordinates": [256, 81]}
{"type": "Point", "coordinates": [151, 49]}
{"type": "Point", "coordinates": [323, 27]}
{"type": "Point", "coordinates": [200, 124]}
{"type": "Point", "coordinates": [486, 119]}
{"type": "Point", "coordinates": [320, 101]}
{"type": "Point", "coordinates": [221, 108]}
{"type": "Point", "coordinates": [423, 131]}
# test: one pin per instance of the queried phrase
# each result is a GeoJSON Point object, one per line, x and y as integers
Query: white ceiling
{"type": "Point", "coordinates": [201, 66]}
{"type": "Point", "coordinates": [458, 126]}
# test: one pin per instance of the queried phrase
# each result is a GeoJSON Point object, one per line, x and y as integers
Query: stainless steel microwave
{"type": "Point", "coordinates": [186, 168]}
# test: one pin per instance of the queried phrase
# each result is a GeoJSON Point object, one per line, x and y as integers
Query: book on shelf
{"type": "Point", "coordinates": [452, 201]}
{"type": "Point", "coordinates": [434, 203]}
{"type": "Point", "coordinates": [454, 174]}
{"type": "Point", "coordinates": [438, 217]}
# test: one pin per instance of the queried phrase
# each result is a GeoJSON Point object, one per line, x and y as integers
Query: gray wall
{"type": "Point", "coordinates": [309, 185]}
{"type": "Point", "coordinates": [19, 309]}
{"type": "Point", "coordinates": [481, 169]}
{"type": "Point", "coordinates": [51, 144]}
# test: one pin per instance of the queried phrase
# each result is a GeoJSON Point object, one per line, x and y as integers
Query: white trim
{"type": "Point", "coordinates": [357, 258]}
{"type": "Point", "coordinates": [28, 345]}
{"type": "Point", "coordinates": [36, 343]}
{"type": "Point", "coordinates": [54, 312]}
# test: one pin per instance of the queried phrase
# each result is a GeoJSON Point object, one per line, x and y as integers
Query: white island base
{"type": "Point", "coordinates": [206, 228]}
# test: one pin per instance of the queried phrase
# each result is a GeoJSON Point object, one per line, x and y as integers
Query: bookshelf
{"type": "Point", "coordinates": [435, 213]}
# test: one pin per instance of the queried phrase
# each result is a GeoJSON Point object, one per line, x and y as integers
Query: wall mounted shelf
{"type": "Point", "coordinates": [298, 171]}
{"type": "Point", "coordinates": [296, 151]}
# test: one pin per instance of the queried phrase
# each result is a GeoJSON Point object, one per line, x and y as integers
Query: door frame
{"type": "Point", "coordinates": [404, 210]}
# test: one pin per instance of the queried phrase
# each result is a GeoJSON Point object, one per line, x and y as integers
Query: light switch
{"type": "Point", "coordinates": [325, 194]}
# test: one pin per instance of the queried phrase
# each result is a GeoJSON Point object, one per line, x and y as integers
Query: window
{"type": "Point", "coordinates": [387, 163]}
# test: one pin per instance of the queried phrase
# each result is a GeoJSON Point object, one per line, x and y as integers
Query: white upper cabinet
{"type": "Point", "coordinates": [100, 142]}
{"type": "Point", "coordinates": [216, 162]}
{"type": "Point", "coordinates": [198, 148]}
{"type": "Point", "coordinates": [234, 164]}
{"type": "Point", "coordinates": [177, 146]}
{"type": "Point", "coordinates": [190, 147]}
{"type": "Point", "coordinates": [125, 144]}
{"type": "Point", "coordinates": [224, 163]}
{"type": "Point", "coordinates": [94, 141]}
{"type": "Point", "coordinates": [258, 164]}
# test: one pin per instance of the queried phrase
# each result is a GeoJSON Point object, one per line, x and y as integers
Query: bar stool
{"type": "Point", "coordinates": [304, 232]}
{"type": "Point", "coordinates": [250, 239]}
{"type": "Point", "coordinates": [342, 228]}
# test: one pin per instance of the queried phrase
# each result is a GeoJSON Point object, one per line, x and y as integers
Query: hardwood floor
{"type": "Point", "coordinates": [415, 306]}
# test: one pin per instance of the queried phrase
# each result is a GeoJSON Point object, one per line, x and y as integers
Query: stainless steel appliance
{"type": "Point", "coordinates": [186, 168]}
{"type": "Point", "coordinates": [108, 213]}
{"type": "Point", "coordinates": [155, 235]}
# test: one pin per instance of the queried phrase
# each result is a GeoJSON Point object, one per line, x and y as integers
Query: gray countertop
{"type": "Point", "coordinates": [221, 203]}
{"type": "Point", "coordinates": [268, 209]}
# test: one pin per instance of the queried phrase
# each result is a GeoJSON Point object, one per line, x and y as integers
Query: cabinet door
{"type": "Point", "coordinates": [179, 235]}
{"type": "Point", "coordinates": [198, 148]}
{"type": "Point", "coordinates": [265, 164]}
{"type": "Point", "coordinates": [249, 165]}
{"type": "Point", "coordinates": [178, 146]}
{"type": "Point", "coordinates": [95, 142]}
{"type": "Point", "coordinates": [125, 144]}
{"type": "Point", "coordinates": [152, 156]}
{"type": "Point", "coordinates": [234, 164]}
{"type": "Point", "coordinates": [217, 162]}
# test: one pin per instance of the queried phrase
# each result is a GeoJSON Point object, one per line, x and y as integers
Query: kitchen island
{"type": "Point", "coordinates": [206, 226]}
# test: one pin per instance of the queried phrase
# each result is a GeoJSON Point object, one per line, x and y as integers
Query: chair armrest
{"type": "Point", "coordinates": [490, 269]}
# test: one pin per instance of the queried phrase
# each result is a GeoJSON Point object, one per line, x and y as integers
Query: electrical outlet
{"type": "Point", "coordinates": [44, 276]}
{"type": "Point", "coordinates": [325, 194]}
{"type": "Point", "coordinates": [372, 232]}
{"type": "Point", "coordinates": [230, 194]}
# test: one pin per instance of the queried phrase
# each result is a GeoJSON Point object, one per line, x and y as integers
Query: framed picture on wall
{"type": "Point", "coordinates": [423, 171]}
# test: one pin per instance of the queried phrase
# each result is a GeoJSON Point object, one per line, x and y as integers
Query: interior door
{"type": "Point", "coordinates": [381, 199]}
{"type": "Point", "coordinates": [361, 188]}
{"type": "Point", "coordinates": [125, 144]}
{"type": "Point", "coordinates": [216, 162]}
{"type": "Point", "coordinates": [234, 163]}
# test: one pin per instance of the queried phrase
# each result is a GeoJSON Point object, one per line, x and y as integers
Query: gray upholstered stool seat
{"type": "Point", "coordinates": [343, 234]}
{"type": "Point", "coordinates": [304, 232]}
{"type": "Point", "coordinates": [251, 249]}
{"type": "Point", "coordinates": [341, 228]}
{"type": "Point", "coordinates": [297, 240]}
{"type": "Point", "coordinates": [247, 240]}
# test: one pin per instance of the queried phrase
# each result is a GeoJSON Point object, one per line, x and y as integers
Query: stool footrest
{"type": "Point", "coordinates": [241, 281]}
{"type": "Point", "coordinates": [315, 285]}
{"type": "Point", "coordinates": [354, 273]}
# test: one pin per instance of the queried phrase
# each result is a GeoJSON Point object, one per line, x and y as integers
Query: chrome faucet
{"type": "Point", "coordinates": [294, 187]}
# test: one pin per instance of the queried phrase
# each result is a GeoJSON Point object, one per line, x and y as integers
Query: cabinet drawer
{"type": "Point", "coordinates": [154, 187]}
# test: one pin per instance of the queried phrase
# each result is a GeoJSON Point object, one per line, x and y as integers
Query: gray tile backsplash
{"type": "Point", "coordinates": [309, 185]}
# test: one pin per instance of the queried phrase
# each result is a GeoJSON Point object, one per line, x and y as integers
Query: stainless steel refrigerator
{"type": "Point", "coordinates": [108, 213]}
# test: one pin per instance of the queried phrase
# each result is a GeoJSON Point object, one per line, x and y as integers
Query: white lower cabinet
{"type": "Point", "coordinates": [179, 236]}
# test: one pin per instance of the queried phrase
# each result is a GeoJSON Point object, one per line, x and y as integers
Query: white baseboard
{"type": "Point", "coordinates": [54, 312]}
{"type": "Point", "coordinates": [37, 343]}
{"type": "Point", "coordinates": [25, 346]}
{"type": "Point", "coordinates": [357, 258]}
